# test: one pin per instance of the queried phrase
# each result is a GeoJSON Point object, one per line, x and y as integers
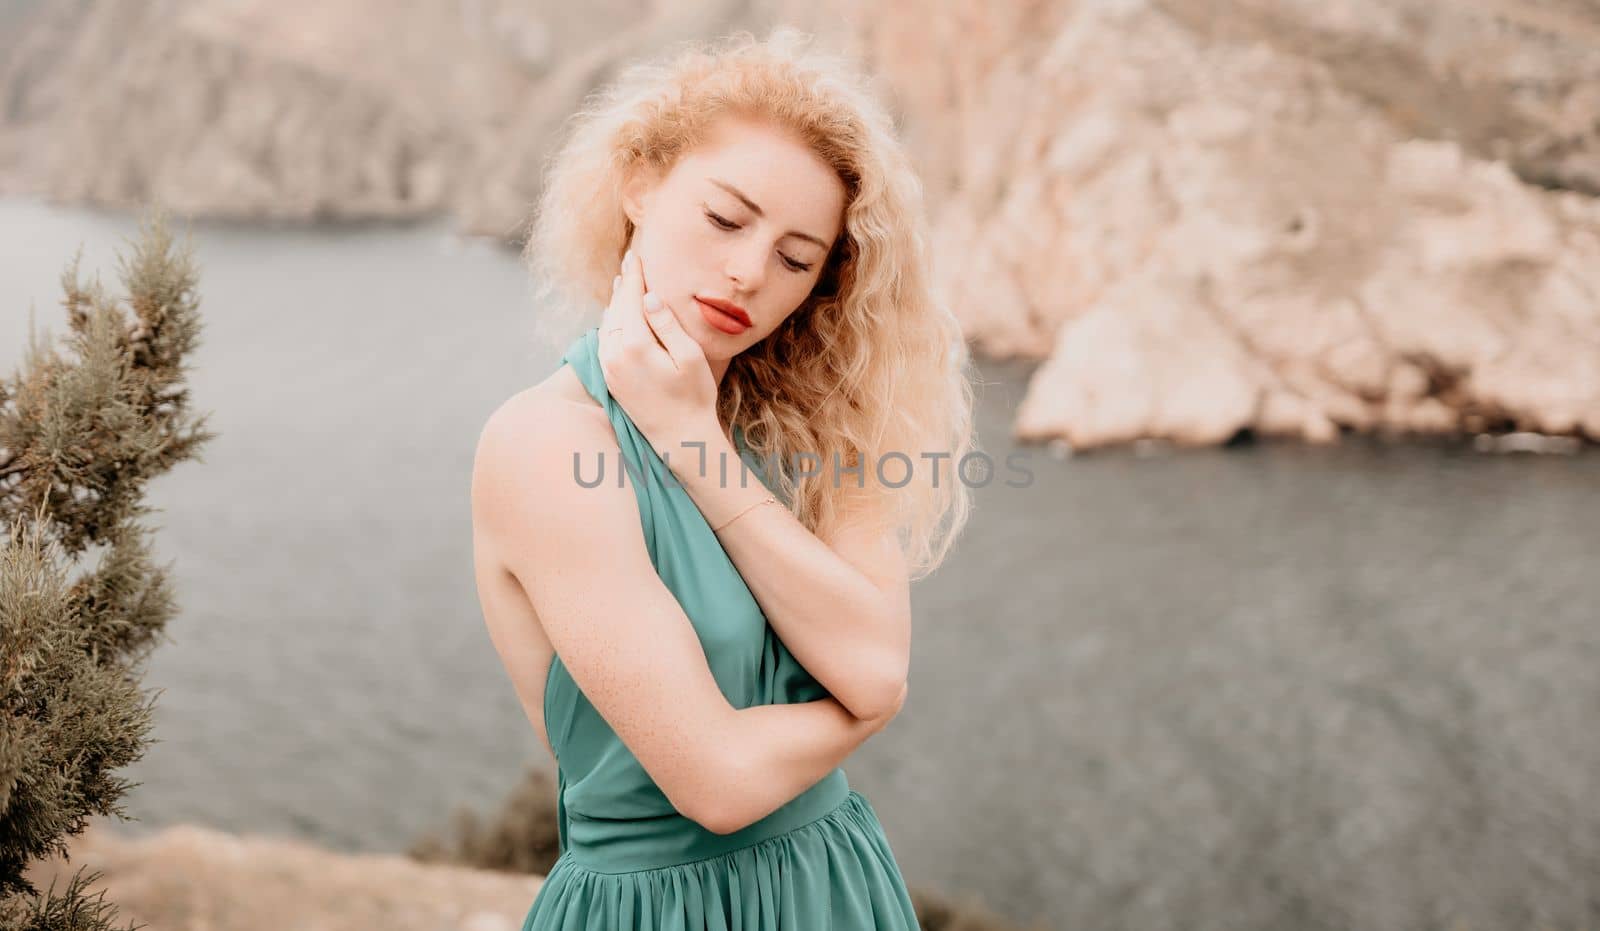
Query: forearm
{"type": "Point", "coordinates": [833, 619]}
{"type": "Point", "coordinates": [777, 752]}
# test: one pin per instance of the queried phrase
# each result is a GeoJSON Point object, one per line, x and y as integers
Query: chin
{"type": "Point", "coordinates": [717, 345]}
{"type": "Point", "coordinates": [704, 333]}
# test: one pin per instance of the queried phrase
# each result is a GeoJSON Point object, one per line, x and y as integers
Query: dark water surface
{"type": "Point", "coordinates": [1261, 687]}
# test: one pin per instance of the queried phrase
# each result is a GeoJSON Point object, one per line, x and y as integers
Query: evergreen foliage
{"type": "Point", "coordinates": [81, 433]}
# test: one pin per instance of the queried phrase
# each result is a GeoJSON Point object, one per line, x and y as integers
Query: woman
{"type": "Point", "coordinates": [701, 645]}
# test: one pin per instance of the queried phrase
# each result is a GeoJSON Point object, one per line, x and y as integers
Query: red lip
{"type": "Point", "coordinates": [732, 310]}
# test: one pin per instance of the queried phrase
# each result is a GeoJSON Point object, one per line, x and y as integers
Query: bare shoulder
{"type": "Point", "coordinates": [563, 384]}
{"type": "Point", "coordinates": [525, 451]}
{"type": "Point", "coordinates": [550, 413]}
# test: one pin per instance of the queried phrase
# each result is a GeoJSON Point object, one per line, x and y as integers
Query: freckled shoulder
{"type": "Point", "coordinates": [563, 384]}
{"type": "Point", "coordinates": [525, 413]}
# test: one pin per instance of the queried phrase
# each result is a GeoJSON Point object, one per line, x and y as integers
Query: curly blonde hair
{"type": "Point", "coordinates": [870, 364]}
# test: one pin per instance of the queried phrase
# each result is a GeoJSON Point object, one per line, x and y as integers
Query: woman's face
{"type": "Point", "coordinates": [746, 218]}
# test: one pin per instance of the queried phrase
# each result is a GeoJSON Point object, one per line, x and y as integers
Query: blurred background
{"type": "Point", "coordinates": [1291, 308]}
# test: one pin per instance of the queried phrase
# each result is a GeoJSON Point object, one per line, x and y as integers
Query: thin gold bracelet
{"type": "Point", "coordinates": [747, 509]}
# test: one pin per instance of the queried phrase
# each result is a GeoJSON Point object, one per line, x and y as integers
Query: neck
{"type": "Point", "coordinates": [719, 368]}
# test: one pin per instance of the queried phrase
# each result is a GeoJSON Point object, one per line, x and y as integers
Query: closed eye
{"type": "Point", "coordinates": [723, 224]}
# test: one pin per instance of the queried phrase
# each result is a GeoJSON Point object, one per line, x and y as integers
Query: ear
{"type": "Point", "coordinates": [634, 190]}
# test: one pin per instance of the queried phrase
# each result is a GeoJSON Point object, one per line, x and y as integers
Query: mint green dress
{"type": "Point", "coordinates": [628, 859]}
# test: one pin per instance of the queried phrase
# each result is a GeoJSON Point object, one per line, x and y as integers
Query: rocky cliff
{"type": "Point", "coordinates": [1206, 219]}
{"type": "Point", "coordinates": [1202, 217]}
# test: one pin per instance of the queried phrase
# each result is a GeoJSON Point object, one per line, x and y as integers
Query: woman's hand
{"type": "Point", "coordinates": [654, 369]}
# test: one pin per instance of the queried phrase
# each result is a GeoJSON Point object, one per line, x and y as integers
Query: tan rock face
{"type": "Point", "coordinates": [300, 110]}
{"type": "Point", "coordinates": [1198, 236]}
{"type": "Point", "coordinates": [1200, 216]}
{"type": "Point", "coordinates": [196, 879]}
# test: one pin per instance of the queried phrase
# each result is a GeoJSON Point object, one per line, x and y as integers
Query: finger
{"type": "Point", "coordinates": [635, 332]}
{"type": "Point", "coordinates": [680, 346]}
{"type": "Point", "coordinates": [611, 319]}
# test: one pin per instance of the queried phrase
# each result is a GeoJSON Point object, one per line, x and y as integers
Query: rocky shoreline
{"type": "Point", "coordinates": [1202, 219]}
{"type": "Point", "coordinates": [192, 878]}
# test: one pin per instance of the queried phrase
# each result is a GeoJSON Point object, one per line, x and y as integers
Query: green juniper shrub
{"type": "Point", "coordinates": [81, 602]}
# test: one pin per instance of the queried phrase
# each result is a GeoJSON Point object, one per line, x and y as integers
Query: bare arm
{"type": "Point", "coordinates": [841, 605]}
{"type": "Point", "coordinates": [579, 556]}
{"type": "Point", "coordinates": [791, 748]}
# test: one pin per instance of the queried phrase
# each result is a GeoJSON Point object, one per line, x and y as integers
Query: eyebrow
{"type": "Point", "coordinates": [757, 211]}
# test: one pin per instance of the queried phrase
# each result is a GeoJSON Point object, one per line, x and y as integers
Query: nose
{"type": "Point", "coordinates": [747, 266]}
